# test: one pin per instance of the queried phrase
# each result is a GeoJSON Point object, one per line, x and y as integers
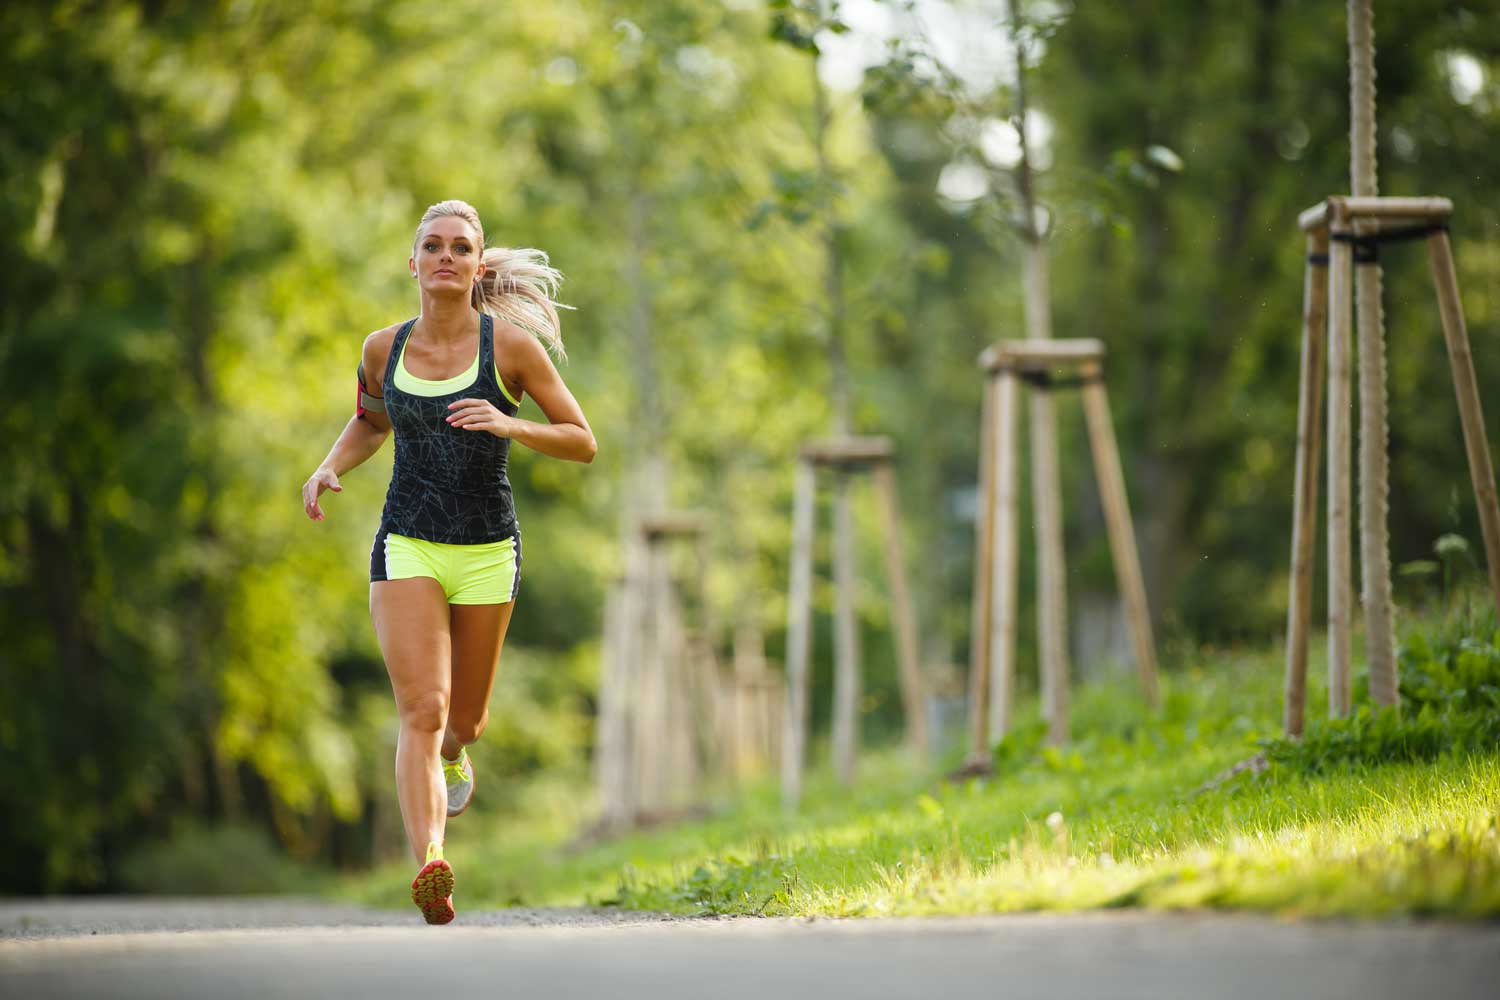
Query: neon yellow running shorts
{"type": "Point", "coordinates": [489, 573]}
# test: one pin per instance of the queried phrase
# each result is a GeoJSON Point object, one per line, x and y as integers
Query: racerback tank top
{"type": "Point", "coordinates": [448, 484]}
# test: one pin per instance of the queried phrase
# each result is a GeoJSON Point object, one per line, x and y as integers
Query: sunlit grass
{"type": "Point", "coordinates": [1128, 815]}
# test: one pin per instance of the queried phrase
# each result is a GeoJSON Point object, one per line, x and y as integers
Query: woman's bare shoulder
{"type": "Point", "coordinates": [383, 338]}
{"type": "Point", "coordinates": [377, 348]}
{"type": "Point", "coordinates": [507, 332]}
{"type": "Point", "coordinates": [516, 343]}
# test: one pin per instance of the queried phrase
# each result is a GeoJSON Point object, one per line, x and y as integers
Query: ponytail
{"type": "Point", "coordinates": [518, 286]}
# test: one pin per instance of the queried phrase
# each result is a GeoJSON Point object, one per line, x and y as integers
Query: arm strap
{"type": "Point", "coordinates": [364, 402]}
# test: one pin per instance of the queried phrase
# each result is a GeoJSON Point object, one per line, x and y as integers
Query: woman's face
{"type": "Point", "coordinates": [447, 257]}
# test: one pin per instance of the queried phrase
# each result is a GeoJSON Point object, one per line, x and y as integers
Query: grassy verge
{"type": "Point", "coordinates": [1366, 817]}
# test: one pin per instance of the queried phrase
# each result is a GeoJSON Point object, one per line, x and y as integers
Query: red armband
{"type": "Point", "coordinates": [363, 401]}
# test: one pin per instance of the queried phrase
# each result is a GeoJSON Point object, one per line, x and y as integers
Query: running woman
{"type": "Point", "coordinates": [446, 562]}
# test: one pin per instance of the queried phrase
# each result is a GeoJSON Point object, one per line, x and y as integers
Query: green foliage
{"type": "Point", "coordinates": [191, 861]}
{"type": "Point", "coordinates": [1197, 290]}
{"type": "Point", "coordinates": [1021, 745]}
{"type": "Point", "coordinates": [1452, 668]}
{"type": "Point", "coordinates": [728, 885]}
{"type": "Point", "coordinates": [798, 22]}
{"type": "Point", "coordinates": [201, 240]}
{"type": "Point", "coordinates": [1376, 735]}
{"type": "Point", "coordinates": [197, 238]}
{"type": "Point", "coordinates": [1450, 704]}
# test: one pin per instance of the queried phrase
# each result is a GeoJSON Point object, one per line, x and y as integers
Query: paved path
{"type": "Point", "coordinates": [291, 948]}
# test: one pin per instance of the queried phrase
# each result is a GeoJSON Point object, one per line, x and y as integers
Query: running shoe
{"type": "Point", "coordinates": [432, 889]}
{"type": "Point", "coordinates": [459, 774]}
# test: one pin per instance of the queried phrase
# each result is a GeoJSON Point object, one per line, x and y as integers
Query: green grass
{"type": "Point", "coordinates": [1369, 816]}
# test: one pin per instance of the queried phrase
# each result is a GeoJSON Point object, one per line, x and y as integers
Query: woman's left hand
{"type": "Point", "coordinates": [480, 415]}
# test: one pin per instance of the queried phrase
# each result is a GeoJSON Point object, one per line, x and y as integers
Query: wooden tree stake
{"type": "Point", "coordinates": [846, 456]}
{"type": "Point", "coordinates": [1336, 225]}
{"type": "Point", "coordinates": [1006, 558]}
{"type": "Point", "coordinates": [1340, 569]}
{"type": "Point", "coordinates": [1127, 560]}
{"type": "Point", "coordinates": [798, 637]}
{"type": "Point", "coordinates": [1305, 489]}
{"type": "Point", "coordinates": [1471, 415]}
{"type": "Point", "coordinates": [846, 686]}
{"type": "Point", "coordinates": [980, 662]}
{"type": "Point", "coordinates": [1052, 572]}
{"type": "Point", "coordinates": [1007, 362]}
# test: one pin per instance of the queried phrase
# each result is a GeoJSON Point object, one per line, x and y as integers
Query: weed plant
{"type": "Point", "coordinates": [1450, 703]}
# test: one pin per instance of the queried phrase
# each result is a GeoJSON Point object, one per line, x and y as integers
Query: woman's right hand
{"type": "Point", "coordinates": [323, 479]}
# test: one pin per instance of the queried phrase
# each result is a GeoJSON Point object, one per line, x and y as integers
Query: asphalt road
{"type": "Point", "coordinates": [291, 948]}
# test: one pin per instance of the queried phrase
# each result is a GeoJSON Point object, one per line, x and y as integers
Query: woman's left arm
{"type": "Point", "coordinates": [565, 435]}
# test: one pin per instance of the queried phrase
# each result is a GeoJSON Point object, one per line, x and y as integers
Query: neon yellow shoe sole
{"type": "Point", "coordinates": [432, 891]}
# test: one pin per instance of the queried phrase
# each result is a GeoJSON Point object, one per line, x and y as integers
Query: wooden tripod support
{"type": "Point", "coordinates": [658, 690]}
{"type": "Point", "coordinates": [993, 652]}
{"type": "Point", "coordinates": [845, 457]}
{"type": "Point", "coordinates": [1342, 232]}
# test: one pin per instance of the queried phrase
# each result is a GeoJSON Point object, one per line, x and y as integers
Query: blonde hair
{"type": "Point", "coordinates": [518, 284]}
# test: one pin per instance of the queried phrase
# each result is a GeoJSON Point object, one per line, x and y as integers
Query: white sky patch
{"type": "Point", "coordinates": [1466, 77]}
{"type": "Point", "coordinates": [968, 37]}
{"type": "Point", "coordinates": [845, 57]}
{"type": "Point", "coordinates": [971, 40]}
{"type": "Point", "coordinates": [1000, 143]}
{"type": "Point", "coordinates": [963, 182]}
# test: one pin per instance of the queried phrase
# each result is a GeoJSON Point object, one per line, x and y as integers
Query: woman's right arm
{"type": "Point", "coordinates": [362, 437]}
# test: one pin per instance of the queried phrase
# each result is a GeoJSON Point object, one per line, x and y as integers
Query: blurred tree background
{"type": "Point", "coordinates": [206, 206]}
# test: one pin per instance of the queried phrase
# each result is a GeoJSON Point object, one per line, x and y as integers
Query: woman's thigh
{"type": "Point", "coordinates": [478, 636]}
{"type": "Point", "coordinates": [411, 622]}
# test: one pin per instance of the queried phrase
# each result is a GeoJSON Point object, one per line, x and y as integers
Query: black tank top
{"type": "Point", "coordinates": [448, 484]}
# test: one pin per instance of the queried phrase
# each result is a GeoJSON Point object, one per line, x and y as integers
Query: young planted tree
{"type": "Point", "coordinates": [915, 65]}
{"type": "Point", "coordinates": [1374, 477]}
{"type": "Point", "coordinates": [798, 25]}
{"type": "Point", "coordinates": [818, 203]}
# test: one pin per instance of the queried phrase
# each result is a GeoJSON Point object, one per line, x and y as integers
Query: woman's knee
{"type": "Point", "coordinates": [426, 712]}
{"type": "Point", "coordinates": [468, 727]}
